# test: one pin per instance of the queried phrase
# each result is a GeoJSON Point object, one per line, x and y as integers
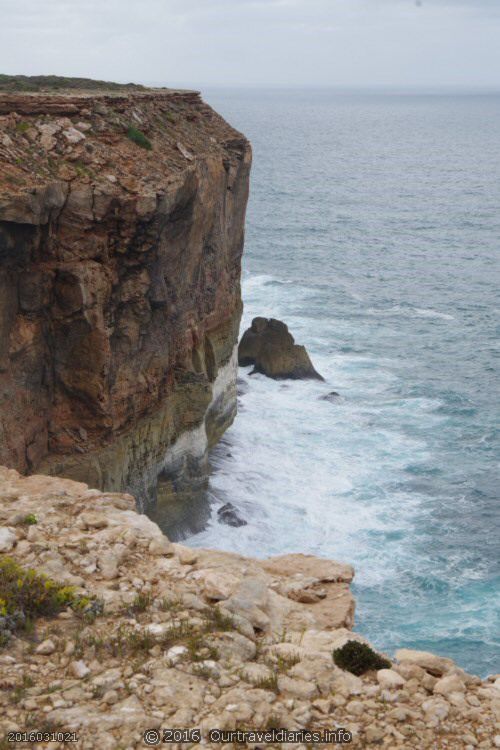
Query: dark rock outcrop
{"type": "Point", "coordinates": [119, 282]}
{"type": "Point", "coordinates": [269, 346]}
{"type": "Point", "coordinates": [229, 515]}
{"type": "Point", "coordinates": [332, 397]}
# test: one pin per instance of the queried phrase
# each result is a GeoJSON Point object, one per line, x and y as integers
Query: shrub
{"type": "Point", "coordinates": [138, 137]}
{"type": "Point", "coordinates": [141, 602]}
{"type": "Point", "coordinates": [26, 595]}
{"type": "Point", "coordinates": [30, 519]}
{"type": "Point", "coordinates": [358, 658]}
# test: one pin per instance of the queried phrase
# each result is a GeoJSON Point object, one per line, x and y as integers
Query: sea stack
{"type": "Point", "coordinates": [269, 346]}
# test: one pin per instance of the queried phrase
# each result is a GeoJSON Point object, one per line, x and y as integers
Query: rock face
{"type": "Point", "coordinates": [270, 348]}
{"type": "Point", "coordinates": [121, 234]}
{"type": "Point", "coordinates": [205, 639]}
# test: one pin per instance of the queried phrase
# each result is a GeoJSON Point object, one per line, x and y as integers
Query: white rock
{"type": "Point", "coordinates": [7, 539]}
{"type": "Point", "coordinates": [435, 709]}
{"type": "Point", "coordinates": [161, 546]}
{"type": "Point", "coordinates": [449, 684]}
{"type": "Point", "coordinates": [73, 135]}
{"type": "Point", "coordinates": [93, 520]}
{"type": "Point", "coordinates": [388, 678]}
{"type": "Point", "coordinates": [185, 555]}
{"type": "Point", "coordinates": [176, 653]}
{"type": "Point", "coordinates": [217, 584]}
{"type": "Point", "coordinates": [79, 669]}
{"type": "Point", "coordinates": [496, 740]}
{"type": "Point", "coordinates": [46, 647]}
{"type": "Point", "coordinates": [430, 662]}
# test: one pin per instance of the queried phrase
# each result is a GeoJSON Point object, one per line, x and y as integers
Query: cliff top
{"type": "Point", "coordinates": [113, 137]}
{"type": "Point", "coordinates": [65, 84]}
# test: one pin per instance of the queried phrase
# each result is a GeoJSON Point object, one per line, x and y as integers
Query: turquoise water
{"type": "Point", "coordinates": [374, 232]}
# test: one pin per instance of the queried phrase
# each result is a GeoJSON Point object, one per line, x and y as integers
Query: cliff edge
{"type": "Point", "coordinates": [151, 635]}
{"type": "Point", "coordinates": [121, 233]}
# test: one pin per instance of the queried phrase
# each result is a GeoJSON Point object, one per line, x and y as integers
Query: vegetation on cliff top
{"type": "Point", "coordinates": [60, 83]}
{"type": "Point", "coordinates": [26, 595]}
{"type": "Point", "coordinates": [138, 137]}
{"type": "Point", "coordinates": [359, 658]}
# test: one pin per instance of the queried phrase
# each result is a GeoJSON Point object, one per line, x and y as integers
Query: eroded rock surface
{"type": "Point", "coordinates": [269, 346]}
{"type": "Point", "coordinates": [119, 282]}
{"type": "Point", "coordinates": [205, 639]}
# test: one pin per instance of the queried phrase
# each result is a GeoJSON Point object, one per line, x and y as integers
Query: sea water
{"type": "Point", "coordinates": [374, 231]}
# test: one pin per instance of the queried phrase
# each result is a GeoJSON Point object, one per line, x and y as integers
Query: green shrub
{"type": "Point", "coordinates": [22, 127]}
{"type": "Point", "coordinates": [141, 602]}
{"type": "Point", "coordinates": [26, 595]}
{"type": "Point", "coordinates": [138, 137]}
{"type": "Point", "coordinates": [358, 658]}
{"type": "Point", "coordinates": [30, 519]}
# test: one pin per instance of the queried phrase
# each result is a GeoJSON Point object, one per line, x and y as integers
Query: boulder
{"type": "Point", "coordinates": [7, 539]}
{"type": "Point", "coordinates": [271, 349]}
{"type": "Point", "coordinates": [435, 665]}
{"type": "Point", "coordinates": [389, 679]}
{"type": "Point", "coordinates": [332, 396]}
{"type": "Point", "coordinates": [229, 515]}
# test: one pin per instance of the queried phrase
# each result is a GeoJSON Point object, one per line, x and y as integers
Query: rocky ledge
{"type": "Point", "coordinates": [121, 234]}
{"type": "Point", "coordinates": [194, 638]}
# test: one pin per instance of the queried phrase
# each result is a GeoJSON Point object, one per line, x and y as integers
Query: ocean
{"type": "Point", "coordinates": [373, 231]}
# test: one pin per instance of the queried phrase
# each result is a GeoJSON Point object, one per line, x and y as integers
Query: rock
{"type": "Point", "coordinates": [108, 564]}
{"type": "Point", "coordinates": [79, 669]}
{"type": "Point", "coordinates": [298, 688]}
{"type": "Point", "coordinates": [389, 679]}
{"type": "Point", "coordinates": [185, 555]}
{"type": "Point", "coordinates": [449, 684]}
{"type": "Point", "coordinates": [7, 539]}
{"type": "Point", "coordinates": [184, 151]}
{"type": "Point", "coordinates": [332, 396]}
{"type": "Point", "coordinates": [73, 135]}
{"type": "Point", "coordinates": [217, 585]}
{"type": "Point", "coordinates": [161, 546]}
{"type": "Point", "coordinates": [229, 515]}
{"type": "Point", "coordinates": [270, 348]}
{"type": "Point", "coordinates": [436, 709]}
{"type": "Point", "coordinates": [436, 665]}
{"type": "Point", "coordinates": [46, 647]}
{"type": "Point", "coordinates": [93, 520]}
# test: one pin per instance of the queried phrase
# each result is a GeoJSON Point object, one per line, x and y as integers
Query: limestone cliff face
{"type": "Point", "coordinates": [121, 234]}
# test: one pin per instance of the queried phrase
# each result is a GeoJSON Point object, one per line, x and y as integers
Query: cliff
{"type": "Point", "coordinates": [121, 234]}
{"type": "Point", "coordinates": [182, 638]}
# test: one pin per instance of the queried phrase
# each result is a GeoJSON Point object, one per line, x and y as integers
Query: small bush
{"type": "Point", "coordinates": [26, 595]}
{"type": "Point", "coordinates": [218, 621]}
{"type": "Point", "coordinates": [22, 127]}
{"type": "Point", "coordinates": [138, 137]}
{"type": "Point", "coordinates": [30, 520]}
{"type": "Point", "coordinates": [358, 658]}
{"type": "Point", "coordinates": [268, 683]}
{"type": "Point", "coordinates": [141, 602]}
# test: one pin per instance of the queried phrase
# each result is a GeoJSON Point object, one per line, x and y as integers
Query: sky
{"type": "Point", "coordinates": [199, 43]}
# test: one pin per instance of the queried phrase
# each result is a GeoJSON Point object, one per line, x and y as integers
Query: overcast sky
{"type": "Point", "coordinates": [402, 43]}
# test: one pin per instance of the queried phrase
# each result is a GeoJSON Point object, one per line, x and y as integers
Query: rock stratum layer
{"type": "Point", "coordinates": [205, 640]}
{"type": "Point", "coordinates": [121, 234]}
